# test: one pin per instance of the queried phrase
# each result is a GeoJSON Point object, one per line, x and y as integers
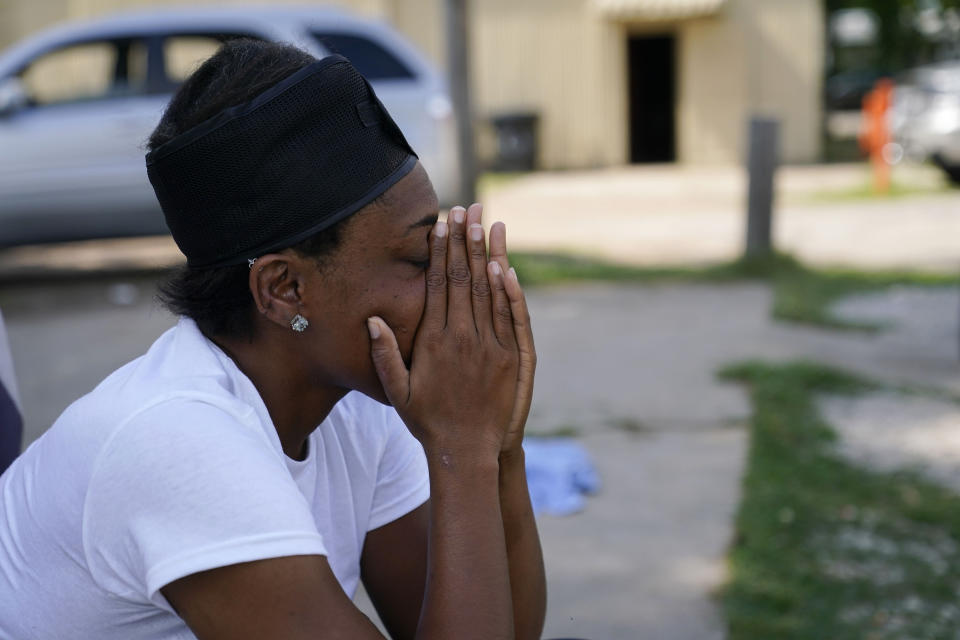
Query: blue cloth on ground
{"type": "Point", "coordinates": [559, 474]}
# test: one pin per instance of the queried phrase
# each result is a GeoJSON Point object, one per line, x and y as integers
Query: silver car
{"type": "Point", "coordinates": [925, 117]}
{"type": "Point", "coordinates": [77, 104]}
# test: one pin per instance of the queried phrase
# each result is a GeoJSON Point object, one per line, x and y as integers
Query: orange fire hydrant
{"type": "Point", "coordinates": [875, 132]}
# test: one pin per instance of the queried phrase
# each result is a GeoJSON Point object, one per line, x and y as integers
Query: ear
{"type": "Point", "coordinates": [276, 284]}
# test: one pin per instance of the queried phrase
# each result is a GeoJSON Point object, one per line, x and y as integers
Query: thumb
{"type": "Point", "coordinates": [388, 362]}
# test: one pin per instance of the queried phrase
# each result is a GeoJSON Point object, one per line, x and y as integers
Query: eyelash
{"type": "Point", "coordinates": [420, 264]}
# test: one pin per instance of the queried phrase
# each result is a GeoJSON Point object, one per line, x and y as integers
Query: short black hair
{"type": "Point", "coordinates": [218, 299]}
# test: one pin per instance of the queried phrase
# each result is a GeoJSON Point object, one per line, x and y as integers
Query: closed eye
{"type": "Point", "coordinates": [421, 264]}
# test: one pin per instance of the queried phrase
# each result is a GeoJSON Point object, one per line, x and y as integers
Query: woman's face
{"type": "Point", "coordinates": [377, 269]}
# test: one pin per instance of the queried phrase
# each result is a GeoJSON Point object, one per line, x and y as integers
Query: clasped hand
{"type": "Point", "coordinates": [470, 382]}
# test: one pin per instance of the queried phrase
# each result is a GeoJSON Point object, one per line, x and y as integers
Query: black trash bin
{"type": "Point", "coordinates": [516, 141]}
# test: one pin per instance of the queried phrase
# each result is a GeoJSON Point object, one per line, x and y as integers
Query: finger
{"type": "Point", "coordinates": [518, 307]}
{"type": "Point", "coordinates": [498, 245]}
{"type": "Point", "coordinates": [523, 331]}
{"type": "Point", "coordinates": [388, 362]}
{"type": "Point", "coordinates": [502, 315]}
{"type": "Point", "coordinates": [435, 307]}
{"type": "Point", "coordinates": [480, 286]}
{"type": "Point", "coordinates": [474, 214]}
{"type": "Point", "coordinates": [459, 307]}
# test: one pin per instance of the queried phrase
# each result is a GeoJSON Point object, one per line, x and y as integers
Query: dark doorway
{"type": "Point", "coordinates": [652, 69]}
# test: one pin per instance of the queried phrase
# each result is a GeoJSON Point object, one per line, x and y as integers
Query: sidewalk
{"type": "Point", "coordinates": [647, 555]}
{"type": "Point", "coordinates": [632, 369]}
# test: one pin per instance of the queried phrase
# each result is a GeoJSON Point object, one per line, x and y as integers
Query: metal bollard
{"type": "Point", "coordinates": [761, 167]}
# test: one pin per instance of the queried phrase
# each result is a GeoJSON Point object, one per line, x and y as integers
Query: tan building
{"type": "Point", "coordinates": [613, 81]}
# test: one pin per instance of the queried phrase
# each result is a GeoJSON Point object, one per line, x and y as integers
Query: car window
{"type": "Point", "coordinates": [85, 71]}
{"type": "Point", "coordinates": [369, 57]}
{"type": "Point", "coordinates": [183, 54]}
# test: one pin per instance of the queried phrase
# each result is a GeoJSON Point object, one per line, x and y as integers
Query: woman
{"type": "Point", "coordinates": [193, 494]}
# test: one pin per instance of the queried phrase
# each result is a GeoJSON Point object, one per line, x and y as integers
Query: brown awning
{"type": "Point", "coordinates": [657, 9]}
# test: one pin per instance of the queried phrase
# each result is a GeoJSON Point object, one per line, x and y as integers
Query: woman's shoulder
{"type": "Point", "coordinates": [162, 388]}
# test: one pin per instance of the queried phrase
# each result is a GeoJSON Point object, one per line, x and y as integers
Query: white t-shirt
{"type": "Point", "coordinates": [172, 466]}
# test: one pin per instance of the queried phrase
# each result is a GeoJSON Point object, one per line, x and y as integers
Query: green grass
{"type": "Point", "coordinates": [866, 191]}
{"type": "Point", "coordinates": [494, 180]}
{"type": "Point", "coordinates": [552, 268]}
{"type": "Point", "coordinates": [804, 295]}
{"type": "Point", "coordinates": [801, 294]}
{"type": "Point", "coordinates": [561, 431]}
{"type": "Point", "coordinates": [629, 425]}
{"type": "Point", "coordinates": [823, 548]}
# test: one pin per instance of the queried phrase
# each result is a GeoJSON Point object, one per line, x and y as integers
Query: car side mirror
{"type": "Point", "coordinates": [13, 96]}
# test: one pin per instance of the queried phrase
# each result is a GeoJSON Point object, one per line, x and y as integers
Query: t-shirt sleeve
{"type": "Point", "coordinates": [184, 487]}
{"type": "Point", "coordinates": [403, 483]}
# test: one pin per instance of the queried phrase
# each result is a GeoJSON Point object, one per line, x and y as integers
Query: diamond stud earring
{"type": "Point", "coordinates": [299, 323]}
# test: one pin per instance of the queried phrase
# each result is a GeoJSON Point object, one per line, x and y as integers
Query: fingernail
{"type": "Point", "coordinates": [495, 267]}
{"type": "Point", "coordinates": [440, 229]}
{"type": "Point", "coordinates": [458, 214]}
{"type": "Point", "coordinates": [476, 232]}
{"type": "Point", "coordinates": [513, 274]}
{"type": "Point", "coordinates": [373, 328]}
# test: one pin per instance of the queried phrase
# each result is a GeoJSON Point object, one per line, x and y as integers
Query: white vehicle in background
{"type": "Point", "coordinates": [11, 411]}
{"type": "Point", "coordinates": [925, 117]}
{"type": "Point", "coordinates": [77, 104]}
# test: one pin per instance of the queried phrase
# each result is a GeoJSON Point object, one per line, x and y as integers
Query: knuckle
{"type": "Point", "coordinates": [503, 312]}
{"type": "Point", "coordinates": [428, 335]}
{"type": "Point", "coordinates": [458, 274]}
{"type": "Point", "coordinates": [433, 345]}
{"type": "Point", "coordinates": [480, 288]}
{"type": "Point", "coordinates": [436, 279]}
{"type": "Point", "coordinates": [463, 338]}
{"type": "Point", "coordinates": [381, 361]}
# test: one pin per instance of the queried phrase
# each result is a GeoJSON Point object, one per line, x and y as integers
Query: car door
{"type": "Point", "coordinates": [71, 162]}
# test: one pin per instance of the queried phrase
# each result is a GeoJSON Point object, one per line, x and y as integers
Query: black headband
{"type": "Point", "coordinates": [301, 156]}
